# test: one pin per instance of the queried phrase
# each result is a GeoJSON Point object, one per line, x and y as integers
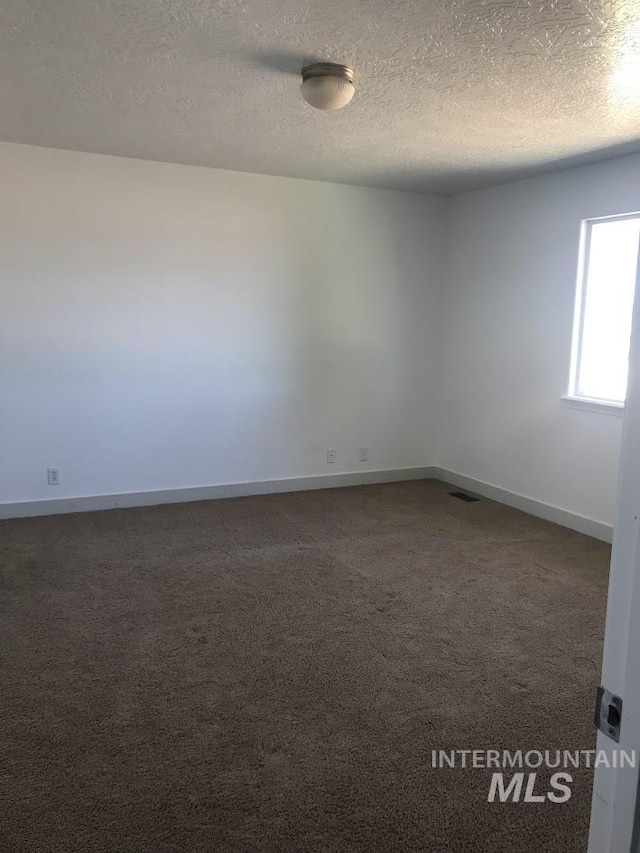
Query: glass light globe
{"type": "Point", "coordinates": [327, 86]}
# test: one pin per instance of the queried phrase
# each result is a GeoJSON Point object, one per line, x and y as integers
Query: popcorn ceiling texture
{"type": "Point", "coordinates": [451, 95]}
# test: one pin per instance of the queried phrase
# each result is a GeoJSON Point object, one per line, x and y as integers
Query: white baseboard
{"type": "Point", "coordinates": [91, 503]}
{"type": "Point", "coordinates": [597, 529]}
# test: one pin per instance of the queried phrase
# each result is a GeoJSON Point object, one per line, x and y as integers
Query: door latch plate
{"type": "Point", "coordinates": [608, 714]}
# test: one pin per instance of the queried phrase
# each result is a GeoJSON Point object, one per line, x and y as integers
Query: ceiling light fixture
{"type": "Point", "coordinates": [327, 86]}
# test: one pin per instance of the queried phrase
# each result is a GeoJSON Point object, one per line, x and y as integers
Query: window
{"type": "Point", "coordinates": [604, 304]}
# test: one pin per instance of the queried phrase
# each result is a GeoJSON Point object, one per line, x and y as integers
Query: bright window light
{"type": "Point", "coordinates": [604, 304]}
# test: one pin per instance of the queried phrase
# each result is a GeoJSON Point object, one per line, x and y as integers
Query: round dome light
{"type": "Point", "coordinates": [327, 86]}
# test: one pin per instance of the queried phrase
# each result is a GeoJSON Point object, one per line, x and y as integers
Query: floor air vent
{"type": "Point", "coordinates": [463, 496]}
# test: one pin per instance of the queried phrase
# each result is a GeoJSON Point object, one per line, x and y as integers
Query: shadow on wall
{"type": "Point", "coordinates": [345, 350]}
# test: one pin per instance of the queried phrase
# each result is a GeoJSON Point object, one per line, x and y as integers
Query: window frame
{"type": "Point", "coordinates": [572, 397]}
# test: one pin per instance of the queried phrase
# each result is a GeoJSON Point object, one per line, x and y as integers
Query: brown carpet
{"type": "Point", "coordinates": [272, 673]}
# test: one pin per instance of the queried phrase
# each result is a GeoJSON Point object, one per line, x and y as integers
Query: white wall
{"type": "Point", "coordinates": [167, 326]}
{"type": "Point", "coordinates": [506, 315]}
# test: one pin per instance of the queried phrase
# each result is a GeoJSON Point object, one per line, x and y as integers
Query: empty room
{"type": "Point", "coordinates": [319, 426]}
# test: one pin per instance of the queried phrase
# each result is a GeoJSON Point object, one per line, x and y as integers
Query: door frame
{"type": "Point", "coordinates": [615, 818]}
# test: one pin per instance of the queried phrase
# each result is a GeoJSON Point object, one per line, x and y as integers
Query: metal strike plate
{"type": "Point", "coordinates": [608, 714]}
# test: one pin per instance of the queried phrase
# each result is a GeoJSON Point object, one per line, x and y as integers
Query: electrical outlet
{"type": "Point", "coordinates": [331, 456]}
{"type": "Point", "coordinates": [53, 476]}
{"type": "Point", "coordinates": [364, 454]}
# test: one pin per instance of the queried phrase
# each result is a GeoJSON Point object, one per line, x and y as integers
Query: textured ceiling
{"type": "Point", "coordinates": [451, 95]}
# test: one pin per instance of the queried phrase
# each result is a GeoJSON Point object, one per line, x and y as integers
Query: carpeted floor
{"type": "Point", "coordinates": [272, 673]}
